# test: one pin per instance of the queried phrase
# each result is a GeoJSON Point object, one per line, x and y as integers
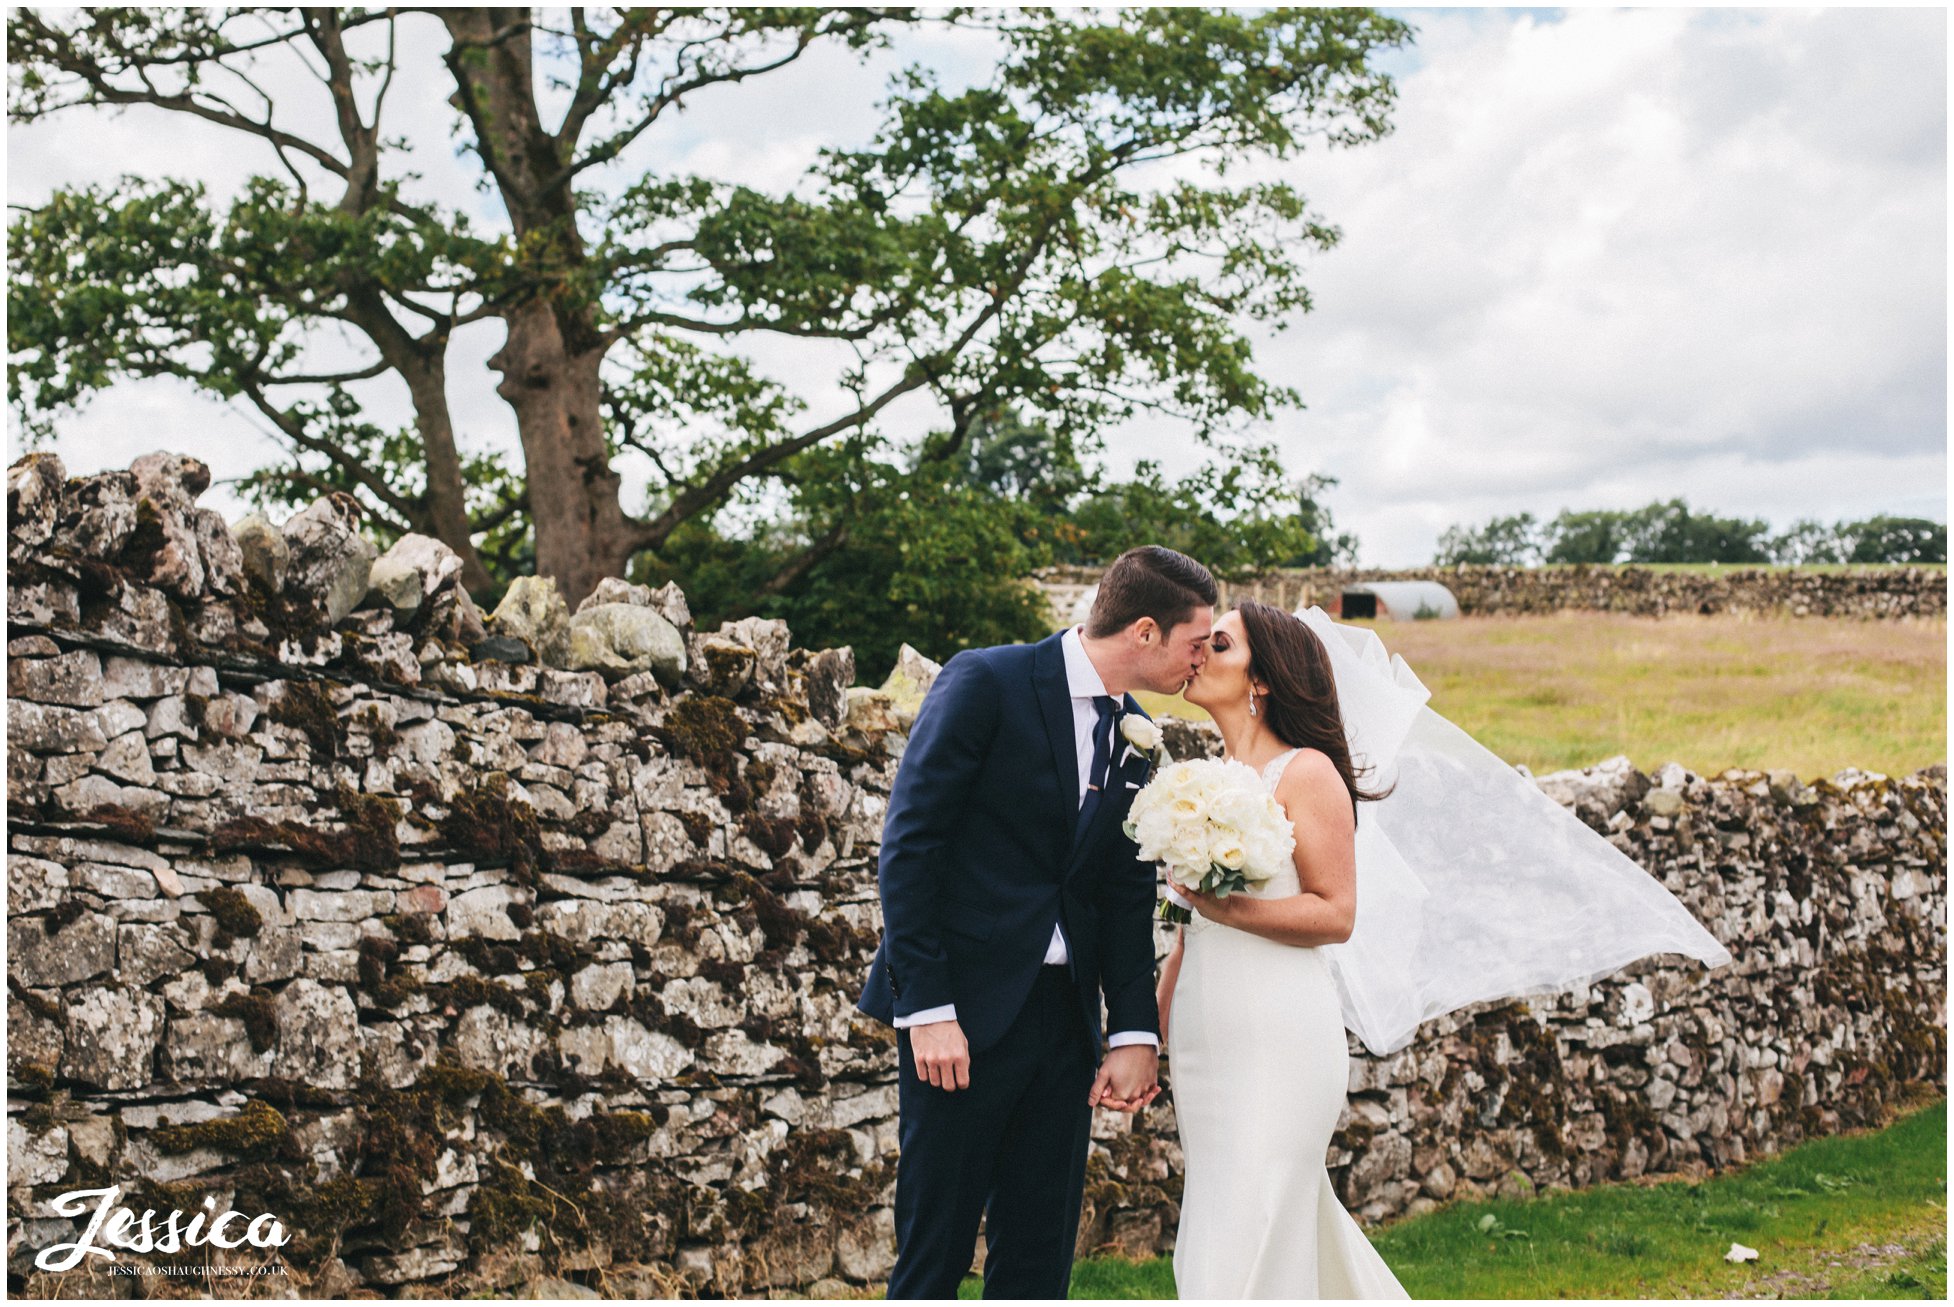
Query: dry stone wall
{"type": "Point", "coordinates": [518, 952]}
{"type": "Point", "coordinates": [1887, 592]}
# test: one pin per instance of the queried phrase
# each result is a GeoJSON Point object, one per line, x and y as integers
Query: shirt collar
{"type": "Point", "coordinates": [1082, 680]}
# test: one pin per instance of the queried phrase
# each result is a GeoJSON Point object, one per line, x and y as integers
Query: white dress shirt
{"type": "Point", "coordinates": [1083, 683]}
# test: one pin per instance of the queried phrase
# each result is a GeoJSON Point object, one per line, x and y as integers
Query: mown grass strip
{"type": "Point", "coordinates": [1854, 1216]}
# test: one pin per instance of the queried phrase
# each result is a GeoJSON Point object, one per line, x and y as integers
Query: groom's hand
{"type": "Point", "coordinates": [942, 1054]}
{"type": "Point", "coordinates": [1128, 1079]}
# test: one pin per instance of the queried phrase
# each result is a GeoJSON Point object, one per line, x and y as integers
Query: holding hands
{"type": "Point", "coordinates": [1128, 1079]}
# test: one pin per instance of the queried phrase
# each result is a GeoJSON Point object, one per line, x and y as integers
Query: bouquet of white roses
{"type": "Point", "coordinates": [1214, 828]}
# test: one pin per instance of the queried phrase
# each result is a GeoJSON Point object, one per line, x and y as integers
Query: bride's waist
{"type": "Point", "coordinates": [1237, 960]}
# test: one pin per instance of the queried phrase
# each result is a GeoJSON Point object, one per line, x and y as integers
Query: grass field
{"type": "Point", "coordinates": [1855, 1216]}
{"type": "Point", "coordinates": [1812, 695]}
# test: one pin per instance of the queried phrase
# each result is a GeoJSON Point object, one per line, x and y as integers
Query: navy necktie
{"type": "Point", "coordinates": [1102, 760]}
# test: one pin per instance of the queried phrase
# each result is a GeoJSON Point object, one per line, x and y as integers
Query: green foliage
{"type": "Point", "coordinates": [1027, 462]}
{"type": "Point", "coordinates": [1330, 548]}
{"type": "Point", "coordinates": [1664, 532]}
{"type": "Point", "coordinates": [1668, 532]}
{"type": "Point", "coordinates": [1892, 540]}
{"type": "Point", "coordinates": [936, 552]}
{"type": "Point", "coordinates": [1504, 541]}
{"type": "Point", "coordinates": [919, 556]}
{"type": "Point", "coordinates": [1234, 516]}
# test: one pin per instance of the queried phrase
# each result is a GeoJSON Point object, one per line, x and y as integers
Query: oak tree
{"type": "Point", "coordinates": [1083, 232]}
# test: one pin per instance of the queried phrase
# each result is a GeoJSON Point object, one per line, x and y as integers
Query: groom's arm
{"type": "Point", "coordinates": [952, 732]}
{"type": "Point", "coordinates": [1126, 971]}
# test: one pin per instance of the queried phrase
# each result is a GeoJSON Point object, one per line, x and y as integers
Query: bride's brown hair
{"type": "Point", "coordinates": [1301, 706]}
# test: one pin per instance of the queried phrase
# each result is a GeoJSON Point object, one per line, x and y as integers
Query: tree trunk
{"type": "Point", "coordinates": [423, 365]}
{"type": "Point", "coordinates": [582, 532]}
{"type": "Point", "coordinates": [447, 504]}
{"type": "Point", "coordinates": [549, 363]}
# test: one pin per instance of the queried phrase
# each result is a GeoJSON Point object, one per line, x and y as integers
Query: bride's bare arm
{"type": "Point", "coordinates": [1170, 974]}
{"type": "Point", "coordinates": [1312, 793]}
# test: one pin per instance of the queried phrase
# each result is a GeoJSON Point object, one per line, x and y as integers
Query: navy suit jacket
{"type": "Point", "coordinates": [979, 860]}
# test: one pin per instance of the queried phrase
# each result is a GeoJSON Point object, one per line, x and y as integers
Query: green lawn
{"type": "Point", "coordinates": [1856, 1216]}
{"type": "Point", "coordinates": [1812, 695]}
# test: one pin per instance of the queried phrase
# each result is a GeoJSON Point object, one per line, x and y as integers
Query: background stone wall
{"type": "Point", "coordinates": [1642, 591]}
{"type": "Point", "coordinates": [519, 952]}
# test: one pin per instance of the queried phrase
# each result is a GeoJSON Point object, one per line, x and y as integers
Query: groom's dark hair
{"type": "Point", "coordinates": [1151, 581]}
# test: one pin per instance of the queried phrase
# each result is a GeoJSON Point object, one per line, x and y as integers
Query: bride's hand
{"type": "Point", "coordinates": [1225, 911]}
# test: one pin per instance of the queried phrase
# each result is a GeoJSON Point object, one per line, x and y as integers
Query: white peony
{"type": "Point", "coordinates": [1211, 825]}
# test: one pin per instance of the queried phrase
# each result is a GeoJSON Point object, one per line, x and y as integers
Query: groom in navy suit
{"type": "Point", "coordinates": [1011, 900]}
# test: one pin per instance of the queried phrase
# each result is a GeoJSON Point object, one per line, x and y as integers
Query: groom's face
{"type": "Point", "coordinates": [1180, 653]}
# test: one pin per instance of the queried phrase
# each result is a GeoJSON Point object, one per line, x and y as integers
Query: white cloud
{"type": "Point", "coordinates": [1617, 256]}
{"type": "Point", "coordinates": [1631, 254]}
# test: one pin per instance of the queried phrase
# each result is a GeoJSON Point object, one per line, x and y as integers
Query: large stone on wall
{"type": "Point", "coordinates": [331, 563]}
{"type": "Point", "coordinates": [533, 611]}
{"type": "Point", "coordinates": [318, 1035]}
{"type": "Point", "coordinates": [181, 548]}
{"type": "Point", "coordinates": [1596, 793]}
{"type": "Point", "coordinates": [620, 639]}
{"type": "Point", "coordinates": [768, 638]}
{"type": "Point", "coordinates": [112, 1032]}
{"type": "Point", "coordinates": [83, 948]}
{"type": "Point", "coordinates": [33, 500]}
{"type": "Point", "coordinates": [261, 546]}
{"type": "Point", "coordinates": [909, 680]}
{"type": "Point", "coordinates": [829, 675]}
{"type": "Point", "coordinates": [616, 590]}
{"type": "Point", "coordinates": [71, 679]}
{"type": "Point", "coordinates": [414, 568]}
{"type": "Point", "coordinates": [670, 602]}
{"type": "Point", "coordinates": [419, 580]}
{"type": "Point", "coordinates": [97, 516]}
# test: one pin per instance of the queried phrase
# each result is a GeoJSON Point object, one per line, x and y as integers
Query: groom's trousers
{"type": "Point", "coordinates": [1009, 1150]}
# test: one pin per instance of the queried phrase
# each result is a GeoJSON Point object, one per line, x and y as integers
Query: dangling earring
{"type": "Point", "coordinates": [1251, 703]}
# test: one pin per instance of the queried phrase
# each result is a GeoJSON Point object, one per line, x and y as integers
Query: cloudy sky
{"type": "Point", "coordinates": [1607, 256]}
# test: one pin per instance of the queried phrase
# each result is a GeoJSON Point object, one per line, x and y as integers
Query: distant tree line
{"type": "Point", "coordinates": [1669, 532]}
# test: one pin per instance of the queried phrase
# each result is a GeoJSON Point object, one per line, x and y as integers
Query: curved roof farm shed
{"type": "Point", "coordinates": [1400, 601]}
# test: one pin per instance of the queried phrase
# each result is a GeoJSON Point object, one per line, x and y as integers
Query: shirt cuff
{"type": "Point", "coordinates": [928, 1016]}
{"type": "Point", "coordinates": [1133, 1037]}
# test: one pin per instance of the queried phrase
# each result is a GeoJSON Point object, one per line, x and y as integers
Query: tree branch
{"type": "Point", "coordinates": [800, 565]}
{"type": "Point", "coordinates": [497, 516]}
{"type": "Point", "coordinates": [329, 378]}
{"type": "Point", "coordinates": [700, 495]}
{"type": "Point", "coordinates": [294, 430]}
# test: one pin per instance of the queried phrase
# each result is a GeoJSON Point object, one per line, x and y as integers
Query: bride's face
{"type": "Point", "coordinates": [1223, 678]}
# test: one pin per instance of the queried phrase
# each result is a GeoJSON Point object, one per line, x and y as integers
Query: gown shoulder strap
{"type": "Point", "coordinates": [1273, 771]}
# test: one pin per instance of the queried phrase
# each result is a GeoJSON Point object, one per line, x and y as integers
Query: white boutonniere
{"type": "Point", "coordinates": [1143, 736]}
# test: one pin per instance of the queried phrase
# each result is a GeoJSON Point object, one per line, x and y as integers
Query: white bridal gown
{"type": "Point", "coordinates": [1260, 1070]}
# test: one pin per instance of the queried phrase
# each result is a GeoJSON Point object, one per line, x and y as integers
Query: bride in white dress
{"type": "Point", "coordinates": [1248, 1005]}
{"type": "Point", "coordinates": [1461, 883]}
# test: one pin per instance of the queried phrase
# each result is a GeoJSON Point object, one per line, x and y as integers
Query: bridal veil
{"type": "Point", "coordinates": [1472, 884]}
